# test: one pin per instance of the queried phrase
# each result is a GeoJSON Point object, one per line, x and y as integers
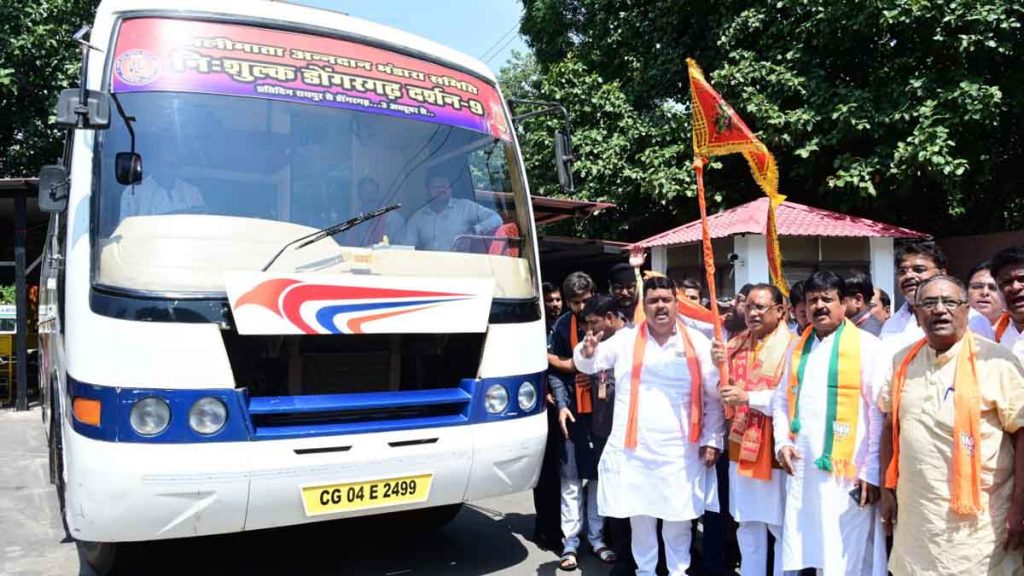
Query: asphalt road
{"type": "Point", "coordinates": [487, 537]}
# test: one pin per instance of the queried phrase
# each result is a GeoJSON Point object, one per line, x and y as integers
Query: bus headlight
{"type": "Point", "coordinates": [207, 415]}
{"type": "Point", "coordinates": [150, 416]}
{"type": "Point", "coordinates": [496, 399]}
{"type": "Point", "coordinates": [527, 396]}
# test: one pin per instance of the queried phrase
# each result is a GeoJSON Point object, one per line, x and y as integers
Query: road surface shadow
{"type": "Point", "coordinates": [475, 543]}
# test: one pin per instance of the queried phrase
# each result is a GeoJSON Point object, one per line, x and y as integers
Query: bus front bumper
{"type": "Point", "coordinates": [120, 492]}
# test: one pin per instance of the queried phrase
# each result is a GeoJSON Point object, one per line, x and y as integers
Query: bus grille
{"type": "Point", "coordinates": [281, 417]}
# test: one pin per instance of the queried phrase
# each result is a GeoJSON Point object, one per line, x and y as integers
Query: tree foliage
{"type": "Point", "coordinates": [627, 156]}
{"type": "Point", "coordinates": [908, 111]}
{"type": "Point", "coordinates": [38, 59]}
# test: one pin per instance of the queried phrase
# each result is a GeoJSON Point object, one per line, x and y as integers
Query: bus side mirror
{"type": "Point", "coordinates": [91, 112]}
{"type": "Point", "coordinates": [128, 168]}
{"type": "Point", "coordinates": [54, 186]}
{"type": "Point", "coordinates": [564, 159]}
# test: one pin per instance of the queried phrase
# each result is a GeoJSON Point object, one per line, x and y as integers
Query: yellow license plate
{"type": "Point", "coordinates": [330, 498]}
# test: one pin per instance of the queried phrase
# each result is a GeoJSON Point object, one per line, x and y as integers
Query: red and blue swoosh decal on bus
{"type": "Point", "coordinates": [340, 309]}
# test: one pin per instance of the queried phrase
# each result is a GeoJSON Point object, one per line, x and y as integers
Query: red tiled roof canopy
{"type": "Point", "coordinates": [792, 219]}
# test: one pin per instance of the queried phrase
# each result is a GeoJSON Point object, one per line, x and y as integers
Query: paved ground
{"type": "Point", "coordinates": [488, 537]}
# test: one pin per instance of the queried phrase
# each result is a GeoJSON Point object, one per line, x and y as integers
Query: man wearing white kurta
{"type": "Point", "coordinates": [757, 358]}
{"type": "Point", "coordinates": [824, 527]}
{"type": "Point", "coordinates": [656, 462]}
{"type": "Point", "coordinates": [916, 263]}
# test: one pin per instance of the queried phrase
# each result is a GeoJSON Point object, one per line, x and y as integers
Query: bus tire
{"type": "Point", "coordinates": [436, 518]}
{"type": "Point", "coordinates": [101, 558]}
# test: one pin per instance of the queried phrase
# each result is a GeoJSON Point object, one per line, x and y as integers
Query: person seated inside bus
{"type": "Point", "coordinates": [437, 225]}
{"type": "Point", "coordinates": [370, 197]}
{"type": "Point", "coordinates": [161, 191]}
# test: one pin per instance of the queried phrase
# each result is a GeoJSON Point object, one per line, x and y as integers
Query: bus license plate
{"type": "Point", "coordinates": [329, 498]}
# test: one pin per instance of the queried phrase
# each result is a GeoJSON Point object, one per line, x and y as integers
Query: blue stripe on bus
{"type": "Point", "coordinates": [466, 401]}
{"type": "Point", "coordinates": [357, 401]}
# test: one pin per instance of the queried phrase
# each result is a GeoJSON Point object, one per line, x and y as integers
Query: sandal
{"type": "Point", "coordinates": [607, 555]}
{"type": "Point", "coordinates": [568, 561]}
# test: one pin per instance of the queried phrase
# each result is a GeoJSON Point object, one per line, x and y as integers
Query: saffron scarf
{"type": "Point", "coordinates": [582, 381]}
{"type": "Point", "coordinates": [843, 406]}
{"type": "Point", "coordinates": [1001, 325]}
{"type": "Point", "coordinates": [756, 366]}
{"type": "Point", "coordinates": [965, 485]}
{"type": "Point", "coordinates": [696, 385]}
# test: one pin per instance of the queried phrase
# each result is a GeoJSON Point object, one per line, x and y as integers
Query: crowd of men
{"type": "Point", "coordinates": [840, 438]}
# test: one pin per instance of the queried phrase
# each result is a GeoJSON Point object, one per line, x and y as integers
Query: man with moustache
{"type": "Point", "coordinates": [916, 263]}
{"type": "Point", "coordinates": [827, 428]}
{"type": "Point", "coordinates": [983, 293]}
{"type": "Point", "coordinates": [552, 303]}
{"type": "Point", "coordinates": [859, 292]}
{"type": "Point", "coordinates": [1008, 270]}
{"type": "Point", "coordinates": [622, 279]}
{"type": "Point", "coordinates": [953, 451]}
{"type": "Point", "coordinates": [757, 357]}
{"type": "Point", "coordinates": [667, 427]}
{"type": "Point", "coordinates": [736, 320]}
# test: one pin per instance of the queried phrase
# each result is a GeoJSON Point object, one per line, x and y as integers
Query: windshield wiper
{"type": "Point", "coordinates": [331, 231]}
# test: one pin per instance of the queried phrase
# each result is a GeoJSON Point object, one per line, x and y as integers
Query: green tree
{"type": "Point", "coordinates": [907, 111]}
{"type": "Point", "coordinates": [37, 61]}
{"type": "Point", "coordinates": [631, 157]}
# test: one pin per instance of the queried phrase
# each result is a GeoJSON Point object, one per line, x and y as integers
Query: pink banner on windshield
{"type": "Point", "coordinates": [160, 54]}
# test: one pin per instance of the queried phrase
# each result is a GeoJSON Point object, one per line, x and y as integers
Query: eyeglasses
{"type": "Point", "coordinates": [761, 308]}
{"type": "Point", "coordinates": [917, 270]}
{"type": "Point", "coordinates": [932, 304]}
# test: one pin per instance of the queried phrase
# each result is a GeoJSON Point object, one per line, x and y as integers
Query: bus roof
{"type": "Point", "coordinates": [305, 16]}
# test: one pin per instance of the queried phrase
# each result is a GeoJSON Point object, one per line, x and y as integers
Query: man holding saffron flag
{"type": "Point", "coordinates": [953, 452]}
{"type": "Point", "coordinates": [757, 357]}
{"type": "Point", "coordinates": [827, 430]}
{"type": "Point", "coordinates": [667, 426]}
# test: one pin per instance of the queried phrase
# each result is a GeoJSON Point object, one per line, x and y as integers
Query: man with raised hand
{"type": "Point", "coordinates": [916, 263]}
{"type": "Point", "coordinates": [827, 427]}
{"type": "Point", "coordinates": [572, 391]}
{"type": "Point", "coordinates": [667, 427]}
{"type": "Point", "coordinates": [952, 451]}
{"type": "Point", "coordinates": [757, 357]}
{"type": "Point", "coordinates": [1008, 270]}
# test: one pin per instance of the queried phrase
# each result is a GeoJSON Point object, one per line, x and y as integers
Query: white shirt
{"type": "Point", "coordinates": [664, 476]}
{"type": "Point", "coordinates": [1013, 340]}
{"type": "Point", "coordinates": [429, 230]}
{"type": "Point", "coordinates": [150, 198]}
{"type": "Point", "coordinates": [901, 330]}
{"type": "Point", "coordinates": [822, 526]}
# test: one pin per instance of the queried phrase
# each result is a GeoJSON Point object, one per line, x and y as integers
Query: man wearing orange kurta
{"type": "Point", "coordinates": [952, 451]}
{"type": "Point", "coordinates": [757, 358]}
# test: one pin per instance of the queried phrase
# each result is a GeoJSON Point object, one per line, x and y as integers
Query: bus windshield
{"type": "Point", "coordinates": [231, 178]}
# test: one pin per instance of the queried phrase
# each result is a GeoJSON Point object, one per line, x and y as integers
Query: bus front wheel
{"type": "Point", "coordinates": [103, 558]}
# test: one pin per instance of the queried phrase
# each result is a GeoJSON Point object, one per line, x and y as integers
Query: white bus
{"type": "Point", "coordinates": [291, 275]}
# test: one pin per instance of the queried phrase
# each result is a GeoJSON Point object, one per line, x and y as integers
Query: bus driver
{"type": "Point", "coordinates": [437, 225]}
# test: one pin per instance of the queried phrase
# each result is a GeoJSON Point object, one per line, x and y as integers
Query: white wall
{"type": "Point", "coordinates": [752, 266]}
{"type": "Point", "coordinates": [883, 270]}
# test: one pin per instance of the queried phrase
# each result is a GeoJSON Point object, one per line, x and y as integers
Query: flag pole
{"type": "Point", "coordinates": [709, 265]}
